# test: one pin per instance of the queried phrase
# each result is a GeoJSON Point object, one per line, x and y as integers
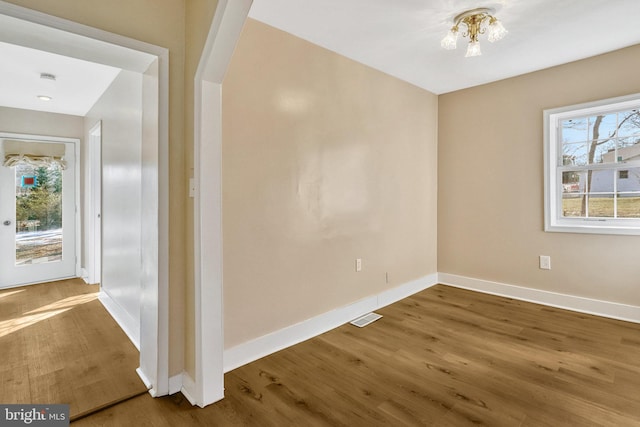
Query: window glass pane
{"type": "Point", "coordinates": [38, 214]}
{"type": "Point", "coordinates": [629, 180]}
{"type": "Point", "coordinates": [573, 194]}
{"type": "Point", "coordinates": [629, 123]}
{"type": "Point", "coordinates": [600, 202]}
{"type": "Point", "coordinates": [573, 205]}
{"type": "Point", "coordinates": [605, 152]}
{"type": "Point", "coordinates": [601, 206]}
{"type": "Point", "coordinates": [629, 193]}
{"type": "Point", "coordinates": [574, 130]}
{"type": "Point", "coordinates": [629, 148]}
{"type": "Point", "coordinates": [603, 126]}
{"type": "Point", "coordinates": [574, 182]}
{"type": "Point", "coordinates": [575, 154]}
{"type": "Point", "coordinates": [629, 206]}
{"type": "Point", "coordinates": [600, 181]}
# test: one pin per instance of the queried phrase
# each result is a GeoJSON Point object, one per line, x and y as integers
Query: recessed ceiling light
{"type": "Point", "coordinates": [44, 98]}
{"type": "Point", "coordinates": [48, 76]}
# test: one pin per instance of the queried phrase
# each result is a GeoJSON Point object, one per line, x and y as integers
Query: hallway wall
{"type": "Point", "coordinates": [40, 123]}
{"type": "Point", "coordinates": [120, 109]}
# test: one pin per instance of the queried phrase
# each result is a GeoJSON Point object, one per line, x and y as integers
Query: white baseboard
{"type": "Point", "coordinates": [257, 348]}
{"type": "Point", "coordinates": [124, 319]}
{"type": "Point", "coordinates": [85, 275]}
{"type": "Point", "coordinates": [403, 291]}
{"type": "Point", "coordinates": [175, 383]}
{"type": "Point", "coordinates": [188, 388]}
{"type": "Point", "coordinates": [144, 379]}
{"type": "Point", "coordinates": [613, 310]}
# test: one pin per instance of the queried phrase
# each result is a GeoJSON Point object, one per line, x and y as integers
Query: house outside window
{"type": "Point", "coordinates": [592, 167]}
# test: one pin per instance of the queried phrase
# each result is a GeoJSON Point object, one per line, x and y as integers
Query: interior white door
{"type": "Point", "coordinates": [37, 216]}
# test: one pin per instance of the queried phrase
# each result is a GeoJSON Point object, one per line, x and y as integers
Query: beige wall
{"type": "Point", "coordinates": [40, 123]}
{"type": "Point", "coordinates": [490, 201]}
{"type": "Point", "coordinates": [324, 161]}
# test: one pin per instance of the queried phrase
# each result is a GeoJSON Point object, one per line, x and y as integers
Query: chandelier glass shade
{"type": "Point", "coordinates": [477, 21]}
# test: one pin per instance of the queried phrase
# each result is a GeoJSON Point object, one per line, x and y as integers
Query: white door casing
{"type": "Point", "coordinates": [208, 385]}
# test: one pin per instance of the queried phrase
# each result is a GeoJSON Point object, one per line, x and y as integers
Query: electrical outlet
{"type": "Point", "coordinates": [358, 264]}
{"type": "Point", "coordinates": [545, 262]}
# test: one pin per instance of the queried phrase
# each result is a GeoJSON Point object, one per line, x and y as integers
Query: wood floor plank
{"type": "Point", "coordinates": [15, 383]}
{"type": "Point", "coordinates": [443, 357]}
{"type": "Point", "coordinates": [59, 345]}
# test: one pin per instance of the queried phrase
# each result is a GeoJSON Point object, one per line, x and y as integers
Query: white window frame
{"type": "Point", "coordinates": [554, 221]}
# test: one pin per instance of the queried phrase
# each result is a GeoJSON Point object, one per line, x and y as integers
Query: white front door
{"type": "Point", "coordinates": [37, 213]}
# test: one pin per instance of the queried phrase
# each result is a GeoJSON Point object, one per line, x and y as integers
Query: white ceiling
{"type": "Point", "coordinates": [402, 37]}
{"type": "Point", "coordinates": [78, 85]}
{"type": "Point", "coordinates": [84, 67]}
{"type": "Point", "coordinates": [398, 37]}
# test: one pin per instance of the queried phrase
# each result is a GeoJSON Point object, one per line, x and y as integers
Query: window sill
{"type": "Point", "coordinates": [593, 226]}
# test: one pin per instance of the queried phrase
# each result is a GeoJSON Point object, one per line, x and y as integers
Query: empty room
{"type": "Point", "coordinates": [463, 177]}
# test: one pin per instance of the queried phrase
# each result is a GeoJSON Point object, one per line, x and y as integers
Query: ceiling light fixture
{"type": "Point", "coordinates": [474, 20]}
{"type": "Point", "coordinates": [44, 98]}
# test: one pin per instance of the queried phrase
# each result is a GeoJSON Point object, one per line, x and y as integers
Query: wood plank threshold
{"type": "Point", "coordinates": [107, 405]}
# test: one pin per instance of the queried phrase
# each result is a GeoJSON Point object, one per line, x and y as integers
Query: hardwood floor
{"type": "Point", "coordinates": [443, 357]}
{"type": "Point", "coordinates": [59, 345]}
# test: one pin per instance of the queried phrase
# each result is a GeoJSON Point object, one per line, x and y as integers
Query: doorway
{"type": "Point", "coordinates": [38, 191]}
{"type": "Point", "coordinates": [35, 30]}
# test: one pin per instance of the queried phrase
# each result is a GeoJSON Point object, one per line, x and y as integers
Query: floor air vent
{"type": "Point", "coordinates": [363, 321]}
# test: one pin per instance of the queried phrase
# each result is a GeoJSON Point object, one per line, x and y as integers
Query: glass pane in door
{"type": "Point", "coordinates": [38, 213]}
